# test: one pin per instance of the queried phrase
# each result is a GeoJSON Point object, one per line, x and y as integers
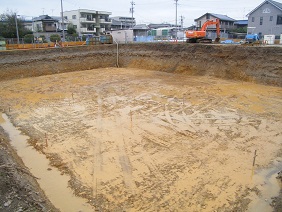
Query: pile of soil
{"type": "Point", "coordinates": [19, 189]}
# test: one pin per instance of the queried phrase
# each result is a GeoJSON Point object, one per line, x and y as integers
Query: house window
{"type": "Point", "coordinates": [270, 18]}
{"type": "Point", "coordinates": [279, 19]}
{"type": "Point", "coordinates": [73, 16]}
{"type": "Point", "coordinates": [208, 16]}
{"type": "Point", "coordinates": [253, 19]}
{"type": "Point", "coordinates": [261, 21]}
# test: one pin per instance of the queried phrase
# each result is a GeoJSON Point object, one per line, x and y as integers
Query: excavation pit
{"type": "Point", "coordinates": [137, 139]}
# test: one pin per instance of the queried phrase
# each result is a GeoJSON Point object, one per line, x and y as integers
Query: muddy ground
{"type": "Point", "coordinates": [19, 189]}
{"type": "Point", "coordinates": [167, 138]}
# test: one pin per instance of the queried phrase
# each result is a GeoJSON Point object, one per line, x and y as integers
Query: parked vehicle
{"type": "Point", "coordinates": [252, 38]}
{"type": "Point", "coordinates": [199, 36]}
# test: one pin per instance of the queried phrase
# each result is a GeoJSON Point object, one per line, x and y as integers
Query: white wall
{"type": "Point", "coordinates": [123, 36]}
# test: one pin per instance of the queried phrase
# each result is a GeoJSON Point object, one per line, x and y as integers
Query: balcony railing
{"type": "Point", "coordinates": [88, 30]}
{"type": "Point", "coordinates": [104, 21]}
{"type": "Point", "coordinates": [85, 20]}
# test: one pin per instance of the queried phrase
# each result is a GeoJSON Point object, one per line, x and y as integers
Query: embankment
{"type": "Point", "coordinates": [259, 64]}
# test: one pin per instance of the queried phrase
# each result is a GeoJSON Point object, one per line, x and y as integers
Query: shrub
{"type": "Point", "coordinates": [28, 38]}
{"type": "Point", "coordinates": [55, 37]}
{"type": "Point", "coordinates": [43, 38]}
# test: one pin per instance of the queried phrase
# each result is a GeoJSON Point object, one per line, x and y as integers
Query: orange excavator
{"type": "Point", "coordinates": [200, 36]}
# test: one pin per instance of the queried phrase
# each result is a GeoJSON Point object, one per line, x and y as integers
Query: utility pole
{"type": "Point", "coordinates": [182, 19]}
{"type": "Point", "coordinates": [63, 23]}
{"type": "Point", "coordinates": [132, 11]}
{"type": "Point", "coordinates": [176, 4]}
{"type": "Point", "coordinates": [17, 29]}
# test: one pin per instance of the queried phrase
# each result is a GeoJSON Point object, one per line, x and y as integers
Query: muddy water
{"type": "Point", "coordinates": [269, 187]}
{"type": "Point", "coordinates": [50, 180]}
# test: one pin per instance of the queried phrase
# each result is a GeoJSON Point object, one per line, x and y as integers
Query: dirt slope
{"type": "Point", "coordinates": [258, 64]}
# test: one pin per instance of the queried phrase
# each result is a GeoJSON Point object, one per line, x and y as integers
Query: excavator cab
{"type": "Point", "coordinates": [199, 36]}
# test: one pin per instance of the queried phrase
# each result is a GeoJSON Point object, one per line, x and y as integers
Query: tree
{"type": "Point", "coordinates": [71, 30]}
{"type": "Point", "coordinates": [240, 30]}
{"type": "Point", "coordinates": [55, 37]}
{"type": "Point", "coordinates": [8, 26]}
{"type": "Point", "coordinates": [28, 38]}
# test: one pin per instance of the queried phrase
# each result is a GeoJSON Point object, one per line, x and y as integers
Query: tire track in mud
{"type": "Point", "coordinates": [124, 161]}
{"type": "Point", "coordinates": [98, 158]}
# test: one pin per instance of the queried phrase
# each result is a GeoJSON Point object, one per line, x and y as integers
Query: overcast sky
{"type": "Point", "coordinates": [146, 11]}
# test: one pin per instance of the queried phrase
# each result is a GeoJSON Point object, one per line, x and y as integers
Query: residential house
{"type": "Point", "coordinates": [89, 22]}
{"type": "Point", "coordinates": [28, 24]}
{"type": "Point", "coordinates": [60, 26]}
{"type": "Point", "coordinates": [240, 24]}
{"type": "Point", "coordinates": [45, 23]}
{"type": "Point", "coordinates": [122, 22]}
{"type": "Point", "coordinates": [226, 23]}
{"type": "Point", "coordinates": [240, 29]}
{"type": "Point", "coordinates": [163, 25]}
{"type": "Point", "coordinates": [140, 30]}
{"type": "Point", "coordinates": [266, 19]}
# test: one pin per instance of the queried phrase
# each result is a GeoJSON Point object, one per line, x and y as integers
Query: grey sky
{"type": "Point", "coordinates": [146, 11]}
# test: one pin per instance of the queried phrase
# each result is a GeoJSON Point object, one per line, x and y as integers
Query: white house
{"type": "Point", "coordinates": [89, 21]}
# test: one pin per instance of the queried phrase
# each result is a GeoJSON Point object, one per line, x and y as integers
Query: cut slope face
{"type": "Point", "coordinates": [261, 65]}
{"type": "Point", "coordinates": [151, 141]}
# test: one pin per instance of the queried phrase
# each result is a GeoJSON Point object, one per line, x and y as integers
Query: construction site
{"type": "Point", "coordinates": [143, 127]}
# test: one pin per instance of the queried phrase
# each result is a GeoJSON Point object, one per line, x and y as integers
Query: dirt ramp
{"type": "Point", "coordinates": [256, 64]}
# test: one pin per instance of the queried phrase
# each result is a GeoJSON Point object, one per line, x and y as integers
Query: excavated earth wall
{"type": "Point", "coordinates": [260, 64]}
{"type": "Point", "coordinates": [171, 138]}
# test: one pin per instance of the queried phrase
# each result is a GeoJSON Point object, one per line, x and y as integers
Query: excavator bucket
{"type": "Point", "coordinates": [217, 40]}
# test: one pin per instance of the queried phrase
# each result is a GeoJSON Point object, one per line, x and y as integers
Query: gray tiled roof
{"type": "Point", "coordinates": [275, 3]}
{"type": "Point", "coordinates": [222, 17]}
{"type": "Point", "coordinates": [278, 4]}
{"type": "Point", "coordinates": [219, 16]}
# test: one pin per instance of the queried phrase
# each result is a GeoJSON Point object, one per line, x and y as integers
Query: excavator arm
{"type": "Point", "coordinates": [201, 34]}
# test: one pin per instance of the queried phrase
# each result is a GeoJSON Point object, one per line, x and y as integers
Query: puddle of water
{"type": "Point", "coordinates": [270, 187]}
{"type": "Point", "coordinates": [52, 182]}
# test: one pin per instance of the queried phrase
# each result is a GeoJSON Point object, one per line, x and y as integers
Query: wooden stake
{"type": "Point", "coordinates": [131, 119]}
{"type": "Point", "coordinates": [255, 155]}
{"type": "Point", "coordinates": [46, 139]}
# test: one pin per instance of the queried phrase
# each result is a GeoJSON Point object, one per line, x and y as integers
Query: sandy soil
{"type": "Point", "coordinates": [151, 141]}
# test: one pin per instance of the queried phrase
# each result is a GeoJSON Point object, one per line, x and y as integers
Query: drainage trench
{"type": "Point", "coordinates": [50, 179]}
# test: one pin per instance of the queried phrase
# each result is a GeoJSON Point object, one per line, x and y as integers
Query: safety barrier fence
{"type": "Point", "coordinates": [43, 45]}
{"type": "Point", "coordinates": [94, 41]}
